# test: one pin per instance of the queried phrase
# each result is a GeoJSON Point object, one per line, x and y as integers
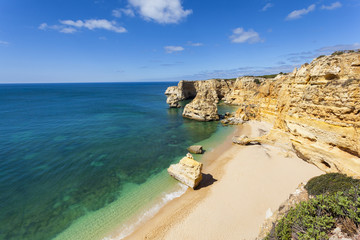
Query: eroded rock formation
{"type": "Point", "coordinates": [206, 95]}
{"type": "Point", "coordinates": [204, 105]}
{"type": "Point", "coordinates": [187, 171]}
{"type": "Point", "coordinates": [184, 90]}
{"type": "Point", "coordinates": [315, 110]}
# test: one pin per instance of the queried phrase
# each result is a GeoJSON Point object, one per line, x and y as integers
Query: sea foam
{"type": "Point", "coordinates": [127, 229]}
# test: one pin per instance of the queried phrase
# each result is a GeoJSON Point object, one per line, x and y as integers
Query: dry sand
{"type": "Point", "coordinates": [242, 183]}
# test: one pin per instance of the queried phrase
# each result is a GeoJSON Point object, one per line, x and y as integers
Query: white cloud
{"type": "Point", "coordinates": [116, 13]}
{"type": "Point", "coordinates": [171, 49]}
{"type": "Point", "coordinates": [330, 49]}
{"type": "Point", "coordinates": [4, 43]}
{"type": "Point", "coordinates": [194, 44]}
{"type": "Point", "coordinates": [43, 26]}
{"type": "Point", "coordinates": [301, 57]}
{"type": "Point", "coordinates": [299, 13]}
{"type": "Point", "coordinates": [161, 11]}
{"type": "Point", "coordinates": [77, 23]}
{"type": "Point", "coordinates": [92, 24]}
{"type": "Point", "coordinates": [242, 36]}
{"type": "Point", "coordinates": [120, 11]}
{"type": "Point", "coordinates": [128, 12]}
{"type": "Point", "coordinates": [332, 6]}
{"type": "Point", "coordinates": [267, 6]}
{"type": "Point", "coordinates": [68, 30]}
{"type": "Point", "coordinates": [241, 71]}
{"type": "Point", "coordinates": [70, 26]}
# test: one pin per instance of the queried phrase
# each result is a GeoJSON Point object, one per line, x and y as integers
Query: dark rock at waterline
{"type": "Point", "coordinates": [196, 149]}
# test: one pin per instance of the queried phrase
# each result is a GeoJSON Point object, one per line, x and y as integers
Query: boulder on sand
{"type": "Point", "coordinates": [245, 140]}
{"type": "Point", "coordinates": [187, 171]}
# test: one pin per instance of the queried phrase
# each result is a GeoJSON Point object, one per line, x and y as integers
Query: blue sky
{"type": "Point", "coordinates": [168, 40]}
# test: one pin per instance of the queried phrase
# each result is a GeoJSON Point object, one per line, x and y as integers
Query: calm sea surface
{"type": "Point", "coordinates": [83, 156]}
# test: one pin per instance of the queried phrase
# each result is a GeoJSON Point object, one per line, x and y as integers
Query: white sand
{"type": "Point", "coordinates": [250, 180]}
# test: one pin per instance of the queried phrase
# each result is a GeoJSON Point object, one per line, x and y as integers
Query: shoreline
{"type": "Point", "coordinates": [210, 155]}
{"type": "Point", "coordinates": [188, 216]}
{"type": "Point", "coordinates": [131, 225]}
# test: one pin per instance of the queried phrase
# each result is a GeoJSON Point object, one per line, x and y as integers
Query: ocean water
{"type": "Point", "coordinates": [78, 161]}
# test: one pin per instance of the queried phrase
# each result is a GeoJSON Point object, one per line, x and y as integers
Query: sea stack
{"type": "Point", "coordinates": [187, 171]}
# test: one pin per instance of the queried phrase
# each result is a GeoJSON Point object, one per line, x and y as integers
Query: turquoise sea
{"type": "Point", "coordinates": [78, 161]}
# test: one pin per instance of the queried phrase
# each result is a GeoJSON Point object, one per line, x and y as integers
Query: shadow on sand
{"type": "Point", "coordinates": [206, 181]}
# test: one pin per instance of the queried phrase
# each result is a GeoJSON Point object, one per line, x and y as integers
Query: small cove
{"type": "Point", "coordinates": [89, 158]}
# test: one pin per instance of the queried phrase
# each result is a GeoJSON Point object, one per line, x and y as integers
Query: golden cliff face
{"type": "Point", "coordinates": [204, 105]}
{"type": "Point", "coordinates": [315, 110]}
{"type": "Point", "coordinates": [322, 112]}
{"type": "Point", "coordinates": [206, 95]}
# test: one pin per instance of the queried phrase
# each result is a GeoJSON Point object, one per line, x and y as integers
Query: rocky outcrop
{"type": "Point", "coordinates": [315, 111]}
{"type": "Point", "coordinates": [245, 140]}
{"type": "Point", "coordinates": [196, 149]}
{"type": "Point", "coordinates": [338, 234]}
{"type": "Point", "coordinates": [173, 97]}
{"type": "Point", "coordinates": [295, 198]}
{"type": "Point", "coordinates": [187, 171]}
{"type": "Point", "coordinates": [205, 94]}
{"type": "Point", "coordinates": [184, 90]}
{"type": "Point", "coordinates": [204, 105]}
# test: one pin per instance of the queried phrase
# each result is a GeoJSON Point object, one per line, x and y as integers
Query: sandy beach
{"type": "Point", "coordinates": [241, 184]}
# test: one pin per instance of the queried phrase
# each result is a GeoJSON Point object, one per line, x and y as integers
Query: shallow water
{"type": "Point", "coordinates": [87, 157]}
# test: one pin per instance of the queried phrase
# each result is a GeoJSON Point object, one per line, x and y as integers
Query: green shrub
{"type": "Point", "coordinates": [315, 218]}
{"type": "Point", "coordinates": [257, 81]}
{"type": "Point", "coordinates": [336, 53]}
{"type": "Point", "coordinates": [330, 183]}
{"type": "Point", "coordinates": [226, 79]}
{"type": "Point", "coordinates": [344, 51]}
{"type": "Point", "coordinates": [268, 76]}
{"type": "Point", "coordinates": [337, 202]}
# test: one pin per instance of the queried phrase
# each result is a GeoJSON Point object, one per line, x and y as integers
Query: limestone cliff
{"type": "Point", "coordinates": [184, 90]}
{"type": "Point", "coordinates": [206, 95]}
{"type": "Point", "coordinates": [204, 105]}
{"type": "Point", "coordinates": [315, 109]}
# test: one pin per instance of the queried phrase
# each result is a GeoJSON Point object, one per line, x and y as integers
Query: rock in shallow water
{"type": "Point", "coordinates": [187, 171]}
{"type": "Point", "coordinates": [196, 149]}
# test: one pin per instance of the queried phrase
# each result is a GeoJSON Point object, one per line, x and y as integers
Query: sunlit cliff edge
{"type": "Point", "coordinates": [315, 110]}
